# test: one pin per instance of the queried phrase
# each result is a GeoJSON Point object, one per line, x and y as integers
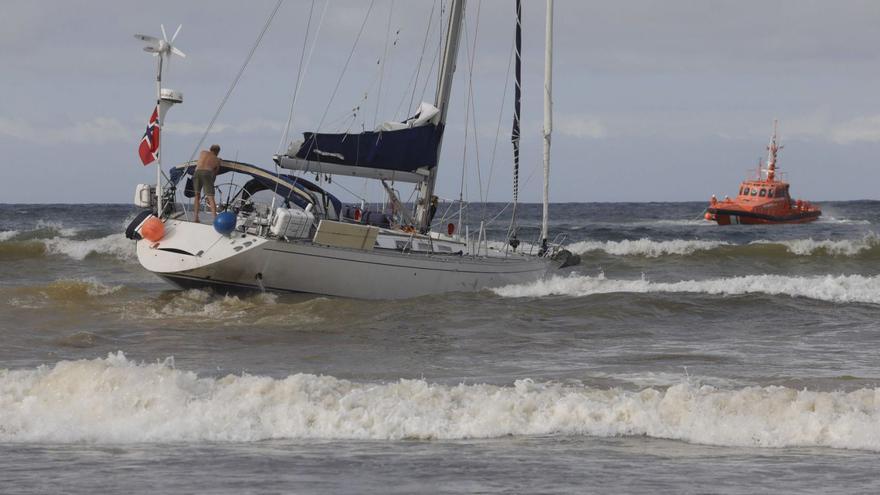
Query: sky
{"type": "Point", "coordinates": [653, 100]}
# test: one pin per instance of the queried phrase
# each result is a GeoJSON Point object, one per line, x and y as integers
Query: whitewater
{"type": "Point", "coordinates": [115, 400]}
{"type": "Point", "coordinates": [679, 357]}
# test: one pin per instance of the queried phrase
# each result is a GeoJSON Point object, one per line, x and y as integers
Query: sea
{"type": "Point", "coordinates": [679, 357]}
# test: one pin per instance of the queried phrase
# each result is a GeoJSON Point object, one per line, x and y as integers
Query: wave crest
{"type": "Point", "coordinates": [645, 247]}
{"type": "Point", "coordinates": [115, 400]}
{"type": "Point", "coordinates": [843, 247]}
{"type": "Point", "coordinates": [832, 288]}
{"type": "Point", "coordinates": [115, 245]}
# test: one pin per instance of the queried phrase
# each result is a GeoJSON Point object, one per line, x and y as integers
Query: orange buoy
{"type": "Point", "coordinates": [152, 229]}
{"type": "Point", "coordinates": [708, 216]}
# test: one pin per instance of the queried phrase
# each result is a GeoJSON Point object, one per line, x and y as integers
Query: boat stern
{"type": "Point", "coordinates": [194, 249]}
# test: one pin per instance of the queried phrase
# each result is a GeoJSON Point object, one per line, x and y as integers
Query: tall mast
{"type": "Point", "coordinates": [444, 88]}
{"type": "Point", "coordinates": [515, 132]}
{"type": "Point", "coordinates": [548, 120]}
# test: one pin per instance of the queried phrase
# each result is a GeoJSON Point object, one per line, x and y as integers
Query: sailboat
{"type": "Point", "coordinates": [306, 240]}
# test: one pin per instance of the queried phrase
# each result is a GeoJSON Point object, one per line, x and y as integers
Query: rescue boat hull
{"type": "Point", "coordinates": [724, 216]}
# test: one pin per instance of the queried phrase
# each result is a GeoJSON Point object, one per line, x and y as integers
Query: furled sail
{"type": "Point", "coordinates": [403, 151]}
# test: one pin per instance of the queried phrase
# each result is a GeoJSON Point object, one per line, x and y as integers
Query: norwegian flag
{"type": "Point", "coordinates": [149, 148]}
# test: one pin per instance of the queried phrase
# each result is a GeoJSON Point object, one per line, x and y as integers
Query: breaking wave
{"type": "Point", "coordinates": [205, 304]}
{"type": "Point", "coordinates": [645, 247]}
{"type": "Point", "coordinates": [844, 247]}
{"type": "Point", "coordinates": [115, 245]}
{"type": "Point", "coordinates": [839, 288]}
{"type": "Point", "coordinates": [649, 248]}
{"type": "Point", "coordinates": [115, 400]}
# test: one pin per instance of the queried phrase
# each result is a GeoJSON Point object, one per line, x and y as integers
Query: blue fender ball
{"type": "Point", "coordinates": [225, 223]}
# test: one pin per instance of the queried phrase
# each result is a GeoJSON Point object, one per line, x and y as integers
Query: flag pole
{"type": "Point", "coordinates": [159, 145]}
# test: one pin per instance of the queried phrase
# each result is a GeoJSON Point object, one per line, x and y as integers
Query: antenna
{"type": "Point", "coordinates": [163, 49]}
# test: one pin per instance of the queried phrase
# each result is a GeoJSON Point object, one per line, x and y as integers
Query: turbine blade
{"type": "Point", "coordinates": [177, 52]}
{"type": "Point", "coordinates": [165, 36]}
{"type": "Point", "coordinates": [148, 39]}
{"type": "Point", "coordinates": [176, 32]}
{"type": "Point", "coordinates": [151, 49]}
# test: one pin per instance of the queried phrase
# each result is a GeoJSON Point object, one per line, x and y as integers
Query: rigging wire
{"type": "Point", "coordinates": [285, 134]}
{"type": "Point", "coordinates": [498, 128]}
{"type": "Point", "coordinates": [462, 217]}
{"type": "Point", "coordinates": [413, 78]}
{"type": "Point", "coordinates": [434, 59]}
{"type": "Point", "coordinates": [384, 59]}
{"type": "Point", "coordinates": [472, 56]}
{"type": "Point", "coordinates": [421, 56]}
{"type": "Point", "coordinates": [347, 61]}
{"type": "Point", "coordinates": [237, 78]}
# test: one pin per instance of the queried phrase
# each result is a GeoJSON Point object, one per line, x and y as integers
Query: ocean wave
{"type": "Point", "coordinates": [843, 247]}
{"type": "Point", "coordinates": [205, 304]}
{"type": "Point", "coordinates": [116, 400]}
{"type": "Point", "coordinates": [827, 219]}
{"type": "Point", "coordinates": [115, 245]}
{"type": "Point", "coordinates": [839, 288]}
{"type": "Point", "coordinates": [645, 247]}
{"type": "Point", "coordinates": [53, 228]}
{"type": "Point", "coordinates": [8, 234]}
{"type": "Point", "coordinates": [649, 248]}
{"type": "Point", "coordinates": [63, 291]}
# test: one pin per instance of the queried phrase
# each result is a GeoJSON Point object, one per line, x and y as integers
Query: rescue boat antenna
{"type": "Point", "coordinates": [772, 148]}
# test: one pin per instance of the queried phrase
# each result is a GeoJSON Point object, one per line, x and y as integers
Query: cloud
{"type": "Point", "coordinates": [858, 129]}
{"type": "Point", "coordinates": [580, 126]}
{"type": "Point", "coordinates": [98, 130]}
{"type": "Point", "coordinates": [243, 127]}
{"type": "Point", "coordinates": [102, 130]}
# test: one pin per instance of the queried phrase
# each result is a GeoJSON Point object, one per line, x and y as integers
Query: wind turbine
{"type": "Point", "coordinates": [162, 49]}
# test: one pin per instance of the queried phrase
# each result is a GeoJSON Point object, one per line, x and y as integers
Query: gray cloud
{"type": "Point", "coordinates": [663, 87]}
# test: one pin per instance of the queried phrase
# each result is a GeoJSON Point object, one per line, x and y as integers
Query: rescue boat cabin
{"type": "Point", "coordinates": [759, 190]}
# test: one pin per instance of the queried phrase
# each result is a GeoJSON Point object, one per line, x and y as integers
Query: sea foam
{"type": "Point", "coordinates": [832, 288]}
{"type": "Point", "coordinates": [645, 247]}
{"type": "Point", "coordinates": [842, 247]}
{"type": "Point", "coordinates": [115, 400]}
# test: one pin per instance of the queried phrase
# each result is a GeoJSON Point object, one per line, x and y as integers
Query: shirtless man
{"type": "Point", "coordinates": [203, 179]}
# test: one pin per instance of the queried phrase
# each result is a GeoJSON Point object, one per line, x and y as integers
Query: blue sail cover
{"type": "Point", "coordinates": [403, 150]}
{"type": "Point", "coordinates": [295, 189]}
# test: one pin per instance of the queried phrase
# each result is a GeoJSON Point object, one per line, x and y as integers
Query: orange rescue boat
{"type": "Point", "coordinates": [763, 200]}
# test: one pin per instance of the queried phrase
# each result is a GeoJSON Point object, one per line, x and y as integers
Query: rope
{"type": "Point", "coordinates": [421, 56]}
{"type": "Point", "coordinates": [285, 134]}
{"type": "Point", "coordinates": [413, 78]}
{"type": "Point", "coordinates": [237, 77]}
{"type": "Point", "coordinates": [471, 59]}
{"type": "Point", "coordinates": [498, 128]}
{"type": "Point", "coordinates": [347, 61]}
{"type": "Point", "coordinates": [382, 66]}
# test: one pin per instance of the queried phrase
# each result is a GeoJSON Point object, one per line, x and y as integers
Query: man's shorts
{"type": "Point", "coordinates": [203, 181]}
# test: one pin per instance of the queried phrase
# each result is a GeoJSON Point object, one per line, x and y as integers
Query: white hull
{"type": "Point", "coordinates": [194, 255]}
